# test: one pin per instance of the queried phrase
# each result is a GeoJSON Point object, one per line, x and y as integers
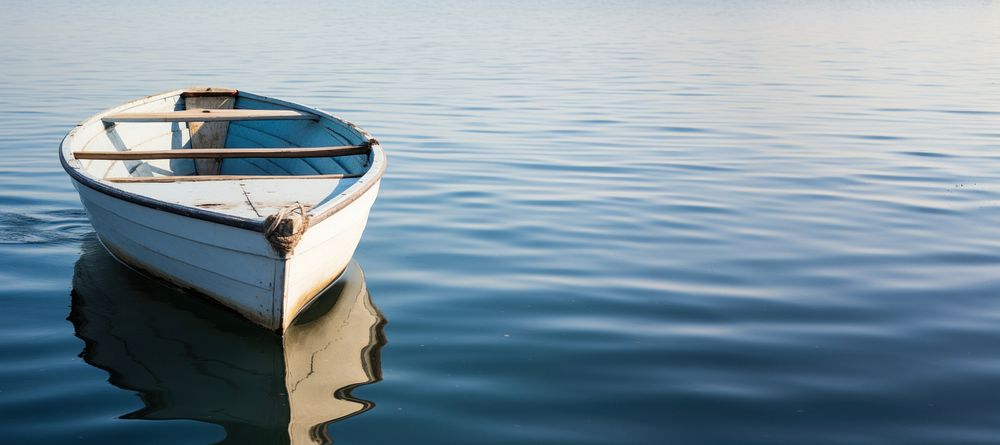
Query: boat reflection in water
{"type": "Point", "coordinates": [190, 359]}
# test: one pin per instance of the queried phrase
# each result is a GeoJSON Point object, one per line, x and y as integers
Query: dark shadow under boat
{"type": "Point", "coordinates": [189, 359]}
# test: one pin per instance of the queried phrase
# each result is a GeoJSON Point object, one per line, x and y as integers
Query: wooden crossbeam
{"type": "Point", "coordinates": [218, 153]}
{"type": "Point", "coordinates": [206, 115]}
{"type": "Point", "coordinates": [209, 92]}
{"type": "Point", "coordinates": [196, 178]}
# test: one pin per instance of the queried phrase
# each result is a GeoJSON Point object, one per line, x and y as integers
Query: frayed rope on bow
{"type": "Point", "coordinates": [285, 228]}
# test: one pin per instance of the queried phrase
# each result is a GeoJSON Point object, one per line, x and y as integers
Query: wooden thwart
{"type": "Point", "coordinates": [228, 178]}
{"type": "Point", "coordinates": [206, 115]}
{"type": "Point", "coordinates": [209, 92]}
{"type": "Point", "coordinates": [219, 153]}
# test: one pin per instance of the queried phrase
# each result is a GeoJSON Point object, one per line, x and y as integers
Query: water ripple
{"type": "Point", "coordinates": [53, 227]}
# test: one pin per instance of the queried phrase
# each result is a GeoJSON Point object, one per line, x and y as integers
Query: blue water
{"type": "Point", "coordinates": [603, 221]}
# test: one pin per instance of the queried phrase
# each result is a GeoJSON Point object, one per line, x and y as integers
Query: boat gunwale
{"type": "Point", "coordinates": [364, 183]}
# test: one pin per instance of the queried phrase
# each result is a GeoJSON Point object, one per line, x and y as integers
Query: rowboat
{"type": "Point", "coordinates": [255, 202]}
{"type": "Point", "coordinates": [194, 361]}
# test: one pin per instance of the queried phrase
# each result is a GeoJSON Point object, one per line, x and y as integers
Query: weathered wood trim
{"type": "Point", "coordinates": [370, 179]}
{"type": "Point", "coordinates": [218, 153]}
{"type": "Point", "coordinates": [198, 178]}
{"type": "Point", "coordinates": [206, 115]}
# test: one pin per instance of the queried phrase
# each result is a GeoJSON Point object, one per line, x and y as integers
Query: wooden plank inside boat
{"type": "Point", "coordinates": [195, 178]}
{"type": "Point", "coordinates": [210, 116]}
{"type": "Point", "coordinates": [208, 91]}
{"type": "Point", "coordinates": [220, 153]}
{"type": "Point", "coordinates": [208, 134]}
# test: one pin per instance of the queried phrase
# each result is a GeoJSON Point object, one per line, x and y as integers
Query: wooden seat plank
{"type": "Point", "coordinates": [219, 153]}
{"type": "Point", "coordinates": [209, 115]}
{"type": "Point", "coordinates": [194, 178]}
{"type": "Point", "coordinates": [208, 92]}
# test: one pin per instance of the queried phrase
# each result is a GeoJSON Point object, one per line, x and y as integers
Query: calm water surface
{"type": "Point", "coordinates": [603, 222]}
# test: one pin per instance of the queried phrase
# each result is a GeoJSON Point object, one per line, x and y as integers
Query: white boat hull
{"type": "Point", "coordinates": [234, 266]}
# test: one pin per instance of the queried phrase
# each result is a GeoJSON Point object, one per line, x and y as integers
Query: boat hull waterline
{"type": "Point", "coordinates": [217, 237]}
